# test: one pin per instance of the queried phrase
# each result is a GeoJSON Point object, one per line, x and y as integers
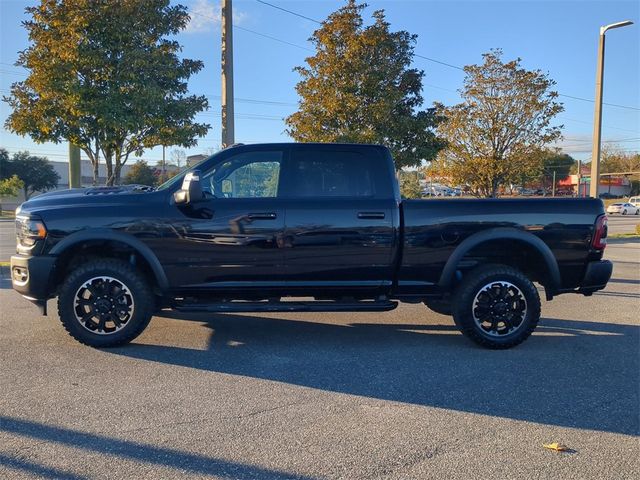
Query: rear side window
{"type": "Point", "coordinates": [335, 173]}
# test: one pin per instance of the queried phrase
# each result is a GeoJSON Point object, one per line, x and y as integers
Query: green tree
{"type": "Point", "coordinates": [37, 173]}
{"type": "Point", "coordinates": [9, 187]}
{"type": "Point", "coordinates": [615, 160]}
{"type": "Point", "coordinates": [558, 163]}
{"type": "Point", "coordinates": [170, 171]}
{"type": "Point", "coordinates": [410, 185]}
{"type": "Point", "coordinates": [5, 166]}
{"type": "Point", "coordinates": [497, 135]}
{"type": "Point", "coordinates": [106, 76]}
{"type": "Point", "coordinates": [359, 87]}
{"type": "Point", "coordinates": [141, 173]}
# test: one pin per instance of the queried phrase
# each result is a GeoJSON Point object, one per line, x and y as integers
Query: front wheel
{"type": "Point", "coordinates": [105, 303]}
{"type": "Point", "coordinates": [496, 306]}
{"type": "Point", "coordinates": [624, 212]}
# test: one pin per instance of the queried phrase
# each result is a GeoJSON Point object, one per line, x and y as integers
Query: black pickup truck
{"type": "Point", "coordinates": [301, 227]}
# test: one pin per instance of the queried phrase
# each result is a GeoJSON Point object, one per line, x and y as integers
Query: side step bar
{"type": "Point", "coordinates": [317, 306]}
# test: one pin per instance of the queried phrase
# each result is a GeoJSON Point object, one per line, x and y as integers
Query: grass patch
{"type": "Point", "coordinates": [4, 264]}
{"type": "Point", "coordinates": [623, 235]}
{"type": "Point", "coordinates": [7, 214]}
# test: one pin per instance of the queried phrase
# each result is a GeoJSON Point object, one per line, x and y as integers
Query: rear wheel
{"type": "Point", "coordinates": [105, 303]}
{"type": "Point", "coordinates": [496, 306]}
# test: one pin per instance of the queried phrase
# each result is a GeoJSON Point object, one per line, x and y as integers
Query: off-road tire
{"type": "Point", "coordinates": [474, 283]}
{"type": "Point", "coordinates": [123, 272]}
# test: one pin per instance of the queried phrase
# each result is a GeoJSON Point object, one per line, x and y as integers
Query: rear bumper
{"type": "Point", "coordinates": [30, 276]}
{"type": "Point", "coordinates": [596, 276]}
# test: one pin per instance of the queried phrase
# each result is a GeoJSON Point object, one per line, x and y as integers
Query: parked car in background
{"type": "Point", "coordinates": [635, 201]}
{"type": "Point", "coordinates": [526, 192]}
{"type": "Point", "coordinates": [623, 209]}
{"type": "Point", "coordinates": [608, 196]}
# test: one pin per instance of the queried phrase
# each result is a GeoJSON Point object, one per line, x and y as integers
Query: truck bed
{"type": "Point", "coordinates": [433, 229]}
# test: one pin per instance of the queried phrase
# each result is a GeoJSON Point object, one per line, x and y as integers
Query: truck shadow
{"type": "Point", "coordinates": [569, 373]}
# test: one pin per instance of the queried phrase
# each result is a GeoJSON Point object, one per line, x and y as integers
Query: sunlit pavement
{"type": "Point", "coordinates": [394, 395]}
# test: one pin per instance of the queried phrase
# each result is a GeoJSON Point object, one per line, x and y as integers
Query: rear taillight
{"type": "Point", "coordinates": [599, 241]}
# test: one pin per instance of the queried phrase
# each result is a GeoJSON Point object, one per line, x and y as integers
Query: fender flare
{"type": "Point", "coordinates": [103, 235]}
{"type": "Point", "coordinates": [503, 233]}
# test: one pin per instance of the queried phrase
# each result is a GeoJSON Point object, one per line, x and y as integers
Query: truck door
{"type": "Point", "coordinates": [233, 239]}
{"type": "Point", "coordinates": [339, 228]}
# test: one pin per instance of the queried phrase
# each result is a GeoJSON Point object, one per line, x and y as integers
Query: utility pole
{"type": "Point", "coordinates": [75, 167]}
{"type": "Point", "coordinates": [579, 178]}
{"type": "Point", "coordinates": [228, 134]}
{"type": "Point", "coordinates": [597, 113]}
{"type": "Point", "coordinates": [553, 188]}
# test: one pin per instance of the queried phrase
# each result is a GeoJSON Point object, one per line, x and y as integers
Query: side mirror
{"type": "Point", "coordinates": [191, 191]}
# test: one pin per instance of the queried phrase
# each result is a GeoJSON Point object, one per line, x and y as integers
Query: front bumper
{"type": "Point", "coordinates": [31, 276]}
{"type": "Point", "coordinates": [596, 276]}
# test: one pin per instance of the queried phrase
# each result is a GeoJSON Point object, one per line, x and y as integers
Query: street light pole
{"type": "Point", "coordinates": [597, 113]}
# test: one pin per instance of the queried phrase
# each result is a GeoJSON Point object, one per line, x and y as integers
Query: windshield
{"type": "Point", "coordinates": [178, 178]}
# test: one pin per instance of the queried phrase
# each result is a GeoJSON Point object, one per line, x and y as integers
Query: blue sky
{"type": "Point", "coordinates": [558, 37]}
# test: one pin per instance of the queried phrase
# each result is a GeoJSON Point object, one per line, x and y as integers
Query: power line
{"type": "Point", "coordinates": [582, 144]}
{"type": "Point", "coordinates": [593, 101]}
{"type": "Point", "coordinates": [438, 61]}
{"type": "Point", "coordinates": [264, 35]}
{"type": "Point", "coordinates": [457, 67]}
{"type": "Point", "coordinates": [589, 123]}
{"type": "Point", "coordinates": [238, 99]}
{"type": "Point", "coordinates": [272, 38]}
{"type": "Point", "coordinates": [291, 12]}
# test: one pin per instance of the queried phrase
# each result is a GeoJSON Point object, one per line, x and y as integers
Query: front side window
{"type": "Point", "coordinates": [246, 175]}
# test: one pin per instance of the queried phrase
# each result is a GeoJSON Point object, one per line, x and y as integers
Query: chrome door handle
{"type": "Point", "coordinates": [371, 215]}
{"type": "Point", "coordinates": [262, 216]}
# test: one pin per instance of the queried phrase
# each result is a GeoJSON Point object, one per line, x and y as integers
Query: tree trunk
{"type": "Point", "coordinates": [26, 193]}
{"type": "Point", "coordinates": [96, 172]}
{"type": "Point", "coordinates": [108, 158]}
{"type": "Point", "coordinates": [94, 157]}
{"type": "Point", "coordinates": [120, 160]}
{"type": "Point", "coordinates": [117, 170]}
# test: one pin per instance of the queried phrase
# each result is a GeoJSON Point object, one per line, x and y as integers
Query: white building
{"type": "Point", "coordinates": [62, 169]}
{"type": "Point", "coordinates": [86, 172]}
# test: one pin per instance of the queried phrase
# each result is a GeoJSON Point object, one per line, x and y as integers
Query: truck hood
{"type": "Point", "coordinates": [76, 196]}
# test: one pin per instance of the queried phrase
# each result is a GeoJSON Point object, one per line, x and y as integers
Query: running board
{"type": "Point", "coordinates": [317, 306]}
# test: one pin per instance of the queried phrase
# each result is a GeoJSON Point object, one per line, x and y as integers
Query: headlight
{"type": "Point", "coordinates": [29, 229]}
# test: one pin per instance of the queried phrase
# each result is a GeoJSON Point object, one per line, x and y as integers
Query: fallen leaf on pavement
{"type": "Point", "coordinates": [558, 447]}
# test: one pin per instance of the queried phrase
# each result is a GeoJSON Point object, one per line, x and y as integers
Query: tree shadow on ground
{"type": "Point", "coordinates": [128, 450]}
{"type": "Point", "coordinates": [569, 373]}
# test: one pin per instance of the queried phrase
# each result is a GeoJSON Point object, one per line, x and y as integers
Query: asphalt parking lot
{"type": "Point", "coordinates": [394, 395]}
